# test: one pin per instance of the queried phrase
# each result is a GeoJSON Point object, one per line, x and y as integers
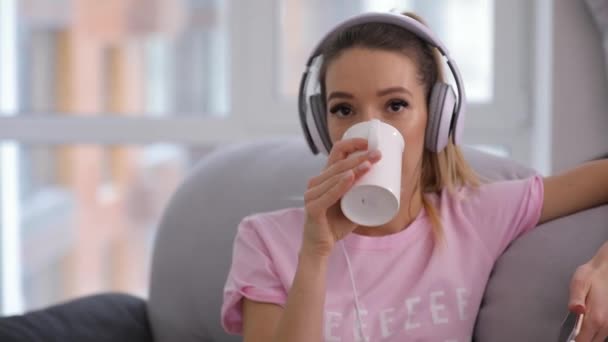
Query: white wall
{"type": "Point", "coordinates": [579, 94]}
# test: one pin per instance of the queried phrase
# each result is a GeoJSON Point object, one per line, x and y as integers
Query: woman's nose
{"type": "Point", "coordinates": [369, 114]}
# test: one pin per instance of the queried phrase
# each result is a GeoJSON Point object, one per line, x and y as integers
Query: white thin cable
{"type": "Point", "coordinates": [355, 294]}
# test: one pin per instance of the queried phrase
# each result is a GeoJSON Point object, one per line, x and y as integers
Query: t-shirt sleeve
{"type": "Point", "coordinates": [252, 275]}
{"type": "Point", "coordinates": [503, 211]}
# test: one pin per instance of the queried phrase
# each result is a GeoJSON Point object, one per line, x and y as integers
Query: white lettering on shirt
{"type": "Point", "coordinates": [358, 336]}
{"type": "Point", "coordinates": [445, 307]}
{"type": "Point", "coordinates": [410, 312]}
{"type": "Point", "coordinates": [332, 320]}
{"type": "Point", "coordinates": [385, 321]}
{"type": "Point", "coordinates": [436, 308]}
{"type": "Point", "coordinates": [462, 296]}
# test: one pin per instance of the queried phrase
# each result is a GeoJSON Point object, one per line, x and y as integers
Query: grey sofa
{"type": "Point", "coordinates": [525, 299]}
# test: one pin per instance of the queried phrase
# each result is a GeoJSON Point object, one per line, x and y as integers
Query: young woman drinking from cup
{"type": "Point", "coordinates": [312, 274]}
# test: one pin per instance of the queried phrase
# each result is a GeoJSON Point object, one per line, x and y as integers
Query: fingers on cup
{"type": "Point", "coordinates": [343, 148]}
{"type": "Point", "coordinates": [343, 169]}
{"type": "Point", "coordinates": [319, 189]}
{"type": "Point", "coordinates": [359, 164]}
{"type": "Point", "coordinates": [319, 198]}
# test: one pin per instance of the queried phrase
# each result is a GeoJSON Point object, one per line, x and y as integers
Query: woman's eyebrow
{"type": "Point", "coordinates": [382, 92]}
{"type": "Point", "coordinates": [390, 90]}
{"type": "Point", "coordinates": [340, 94]}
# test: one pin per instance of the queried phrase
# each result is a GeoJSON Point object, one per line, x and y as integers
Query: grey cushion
{"type": "Point", "coordinates": [527, 295]}
{"type": "Point", "coordinates": [194, 243]}
{"type": "Point", "coordinates": [193, 246]}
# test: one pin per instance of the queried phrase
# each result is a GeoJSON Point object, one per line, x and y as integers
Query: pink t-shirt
{"type": "Point", "coordinates": [408, 291]}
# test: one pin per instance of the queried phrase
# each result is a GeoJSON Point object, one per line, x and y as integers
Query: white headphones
{"type": "Point", "coordinates": [446, 111]}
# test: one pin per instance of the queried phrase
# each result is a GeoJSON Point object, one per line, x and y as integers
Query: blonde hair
{"type": "Point", "coordinates": [445, 170]}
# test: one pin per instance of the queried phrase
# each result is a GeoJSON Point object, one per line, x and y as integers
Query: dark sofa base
{"type": "Point", "coordinates": [105, 317]}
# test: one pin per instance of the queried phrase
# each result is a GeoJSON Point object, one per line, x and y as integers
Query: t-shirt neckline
{"type": "Point", "coordinates": [412, 232]}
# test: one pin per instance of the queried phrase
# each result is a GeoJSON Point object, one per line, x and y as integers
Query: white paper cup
{"type": "Point", "coordinates": [374, 198]}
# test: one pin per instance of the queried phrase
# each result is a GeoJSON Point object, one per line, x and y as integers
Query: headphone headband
{"type": "Point", "coordinates": [410, 24]}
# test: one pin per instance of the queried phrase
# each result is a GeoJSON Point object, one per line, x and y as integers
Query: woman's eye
{"type": "Point", "coordinates": [341, 110]}
{"type": "Point", "coordinates": [396, 106]}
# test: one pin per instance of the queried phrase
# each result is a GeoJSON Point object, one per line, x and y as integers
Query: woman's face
{"type": "Point", "coordinates": [363, 84]}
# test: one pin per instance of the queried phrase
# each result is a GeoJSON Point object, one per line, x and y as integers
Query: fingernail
{"type": "Point", "coordinates": [578, 308]}
{"type": "Point", "coordinates": [364, 166]}
{"type": "Point", "coordinates": [347, 175]}
{"type": "Point", "coordinates": [374, 154]}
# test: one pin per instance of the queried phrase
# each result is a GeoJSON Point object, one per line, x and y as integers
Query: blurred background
{"type": "Point", "coordinates": [106, 105]}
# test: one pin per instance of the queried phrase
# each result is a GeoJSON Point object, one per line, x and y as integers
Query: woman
{"type": "Point", "coordinates": [422, 275]}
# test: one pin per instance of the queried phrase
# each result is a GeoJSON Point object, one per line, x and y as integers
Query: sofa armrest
{"type": "Point", "coordinates": [104, 317]}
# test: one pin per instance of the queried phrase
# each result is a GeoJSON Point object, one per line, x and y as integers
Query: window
{"type": "Point", "coordinates": [303, 23]}
{"type": "Point", "coordinates": [88, 216]}
{"type": "Point", "coordinates": [93, 58]}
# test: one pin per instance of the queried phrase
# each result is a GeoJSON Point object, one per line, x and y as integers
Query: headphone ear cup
{"type": "Point", "coordinates": [442, 102]}
{"type": "Point", "coordinates": [317, 107]}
